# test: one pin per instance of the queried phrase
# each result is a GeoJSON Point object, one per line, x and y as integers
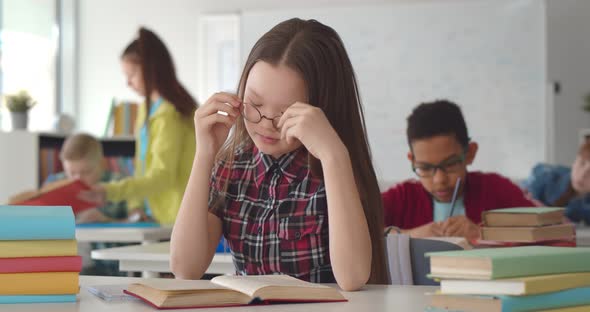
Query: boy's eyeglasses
{"type": "Point", "coordinates": [451, 165]}
{"type": "Point", "coordinates": [253, 115]}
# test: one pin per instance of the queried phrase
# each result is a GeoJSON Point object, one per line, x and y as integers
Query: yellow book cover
{"type": "Point", "coordinates": [38, 248]}
{"type": "Point", "coordinates": [517, 286]}
{"type": "Point", "coordinates": [47, 283]}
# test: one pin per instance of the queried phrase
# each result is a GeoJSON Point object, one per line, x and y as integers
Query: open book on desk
{"type": "Point", "coordinates": [226, 291]}
{"type": "Point", "coordinates": [59, 193]}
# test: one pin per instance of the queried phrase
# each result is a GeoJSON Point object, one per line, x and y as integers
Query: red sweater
{"type": "Point", "coordinates": [408, 205]}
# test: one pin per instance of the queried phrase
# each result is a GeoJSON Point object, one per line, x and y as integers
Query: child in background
{"type": "Point", "coordinates": [82, 158]}
{"type": "Point", "coordinates": [293, 190]}
{"type": "Point", "coordinates": [440, 151]}
{"type": "Point", "coordinates": [561, 186]}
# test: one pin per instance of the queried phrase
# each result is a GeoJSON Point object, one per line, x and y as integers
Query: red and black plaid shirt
{"type": "Point", "coordinates": [274, 215]}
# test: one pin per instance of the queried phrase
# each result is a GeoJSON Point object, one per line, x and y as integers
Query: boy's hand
{"type": "Point", "coordinates": [91, 216]}
{"type": "Point", "coordinates": [432, 229]}
{"type": "Point", "coordinates": [460, 226]}
{"type": "Point", "coordinates": [97, 194]}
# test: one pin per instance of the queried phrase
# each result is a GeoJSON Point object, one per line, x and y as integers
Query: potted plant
{"type": "Point", "coordinates": [19, 104]}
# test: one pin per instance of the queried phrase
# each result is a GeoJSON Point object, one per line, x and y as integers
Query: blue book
{"type": "Point", "coordinates": [37, 223]}
{"type": "Point", "coordinates": [117, 225]}
{"type": "Point", "coordinates": [37, 299]}
{"type": "Point", "coordinates": [553, 300]}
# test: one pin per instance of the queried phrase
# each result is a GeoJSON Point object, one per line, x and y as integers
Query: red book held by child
{"type": "Point", "coordinates": [59, 193]}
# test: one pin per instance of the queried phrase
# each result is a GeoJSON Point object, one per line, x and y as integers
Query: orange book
{"type": "Point", "coordinates": [59, 193]}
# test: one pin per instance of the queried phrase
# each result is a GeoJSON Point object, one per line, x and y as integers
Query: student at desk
{"type": "Point", "coordinates": [293, 190]}
{"type": "Point", "coordinates": [165, 142]}
{"type": "Point", "coordinates": [440, 151]}
{"type": "Point", "coordinates": [563, 186]}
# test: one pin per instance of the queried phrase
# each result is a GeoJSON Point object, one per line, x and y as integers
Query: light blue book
{"type": "Point", "coordinates": [553, 300]}
{"type": "Point", "coordinates": [37, 299]}
{"type": "Point", "coordinates": [37, 223]}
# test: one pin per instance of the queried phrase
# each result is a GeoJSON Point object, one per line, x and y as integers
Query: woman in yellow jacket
{"type": "Point", "coordinates": [165, 140]}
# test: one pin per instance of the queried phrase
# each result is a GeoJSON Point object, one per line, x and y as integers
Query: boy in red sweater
{"type": "Point", "coordinates": [440, 151]}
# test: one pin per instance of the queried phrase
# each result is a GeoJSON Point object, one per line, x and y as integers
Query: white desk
{"type": "Point", "coordinates": [144, 236]}
{"type": "Point", "coordinates": [371, 298]}
{"type": "Point", "coordinates": [156, 258]}
{"type": "Point", "coordinates": [583, 236]}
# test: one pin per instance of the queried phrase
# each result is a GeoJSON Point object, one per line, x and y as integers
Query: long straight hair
{"type": "Point", "coordinates": [317, 53]}
{"type": "Point", "coordinates": [159, 74]}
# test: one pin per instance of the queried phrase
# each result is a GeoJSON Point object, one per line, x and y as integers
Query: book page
{"type": "Point", "coordinates": [250, 284]}
{"type": "Point", "coordinates": [172, 285]}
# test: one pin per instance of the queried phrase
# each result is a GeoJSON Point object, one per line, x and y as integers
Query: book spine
{"type": "Point", "coordinates": [23, 228]}
{"type": "Point", "coordinates": [37, 299]}
{"type": "Point", "coordinates": [533, 265]}
{"type": "Point", "coordinates": [51, 283]}
{"type": "Point", "coordinates": [554, 300]}
{"type": "Point", "coordinates": [38, 248]}
{"type": "Point", "coordinates": [41, 264]}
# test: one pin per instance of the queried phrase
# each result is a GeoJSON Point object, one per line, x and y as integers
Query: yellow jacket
{"type": "Point", "coordinates": [171, 149]}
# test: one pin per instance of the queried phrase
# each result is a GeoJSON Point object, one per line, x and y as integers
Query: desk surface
{"type": "Point", "coordinates": [371, 298]}
{"type": "Point", "coordinates": [123, 235]}
{"type": "Point", "coordinates": [156, 258]}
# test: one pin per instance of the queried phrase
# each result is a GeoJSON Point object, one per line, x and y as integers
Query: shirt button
{"type": "Point", "coordinates": [297, 235]}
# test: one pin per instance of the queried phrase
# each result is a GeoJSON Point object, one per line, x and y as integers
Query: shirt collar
{"type": "Point", "coordinates": [287, 165]}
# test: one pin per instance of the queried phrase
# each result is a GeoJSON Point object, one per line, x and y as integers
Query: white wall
{"type": "Point", "coordinates": [105, 29]}
{"type": "Point", "coordinates": [568, 46]}
{"type": "Point", "coordinates": [487, 55]}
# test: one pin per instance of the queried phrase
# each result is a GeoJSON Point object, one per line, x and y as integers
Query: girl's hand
{"type": "Point", "coordinates": [97, 194]}
{"type": "Point", "coordinates": [212, 128]}
{"type": "Point", "coordinates": [309, 125]}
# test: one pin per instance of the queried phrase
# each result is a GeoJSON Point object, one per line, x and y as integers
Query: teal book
{"type": "Point", "coordinates": [37, 223]}
{"type": "Point", "coordinates": [495, 263]}
{"type": "Point", "coordinates": [37, 299]}
{"type": "Point", "coordinates": [554, 300]}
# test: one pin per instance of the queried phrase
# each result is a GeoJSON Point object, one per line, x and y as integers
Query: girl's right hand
{"type": "Point", "coordinates": [212, 128]}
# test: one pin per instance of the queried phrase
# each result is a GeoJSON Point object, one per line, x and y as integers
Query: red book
{"type": "Point", "coordinates": [59, 193]}
{"type": "Point", "coordinates": [41, 264]}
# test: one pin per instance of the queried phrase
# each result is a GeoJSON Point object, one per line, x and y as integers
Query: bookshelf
{"type": "Point", "coordinates": [28, 157]}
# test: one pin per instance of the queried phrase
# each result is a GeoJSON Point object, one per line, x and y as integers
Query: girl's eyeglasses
{"type": "Point", "coordinates": [253, 115]}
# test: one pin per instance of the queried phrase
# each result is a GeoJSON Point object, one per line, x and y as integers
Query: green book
{"type": "Point", "coordinates": [495, 263]}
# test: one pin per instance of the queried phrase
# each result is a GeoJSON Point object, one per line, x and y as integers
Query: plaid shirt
{"type": "Point", "coordinates": [274, 215]}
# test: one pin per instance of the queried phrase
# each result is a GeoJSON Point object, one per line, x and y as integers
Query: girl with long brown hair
{"type": "Point", "coordinates": [165, 142]}
{"type": "Point", "coordinates": [293, 189]}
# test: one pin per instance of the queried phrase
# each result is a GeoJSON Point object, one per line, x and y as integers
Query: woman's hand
{"type": "Point", "coordinates": [213, 120]}
{"type": "Point", "coordinates": [92, 216]}
{"type": "Point", "coordinates": [97, 194]}
{"type": "Point", "coordinates": [309, 125]}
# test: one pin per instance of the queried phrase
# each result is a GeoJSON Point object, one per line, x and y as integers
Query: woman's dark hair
{"type": "Point", "coordinates": [149, 52]}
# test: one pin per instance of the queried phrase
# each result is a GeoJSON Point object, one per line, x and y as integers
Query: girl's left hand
{"type": "Point", "coordinates": [97, 194]}
{"type": "Point", "coordinates": [309, 125]}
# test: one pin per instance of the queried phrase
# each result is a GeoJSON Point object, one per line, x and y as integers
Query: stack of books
{"type": "Point", "coordinates": [38, 254]}
{"type": "Point", "coordinates": [526, 278]}
{"type": "Point", "coordinates": [526, 226]}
